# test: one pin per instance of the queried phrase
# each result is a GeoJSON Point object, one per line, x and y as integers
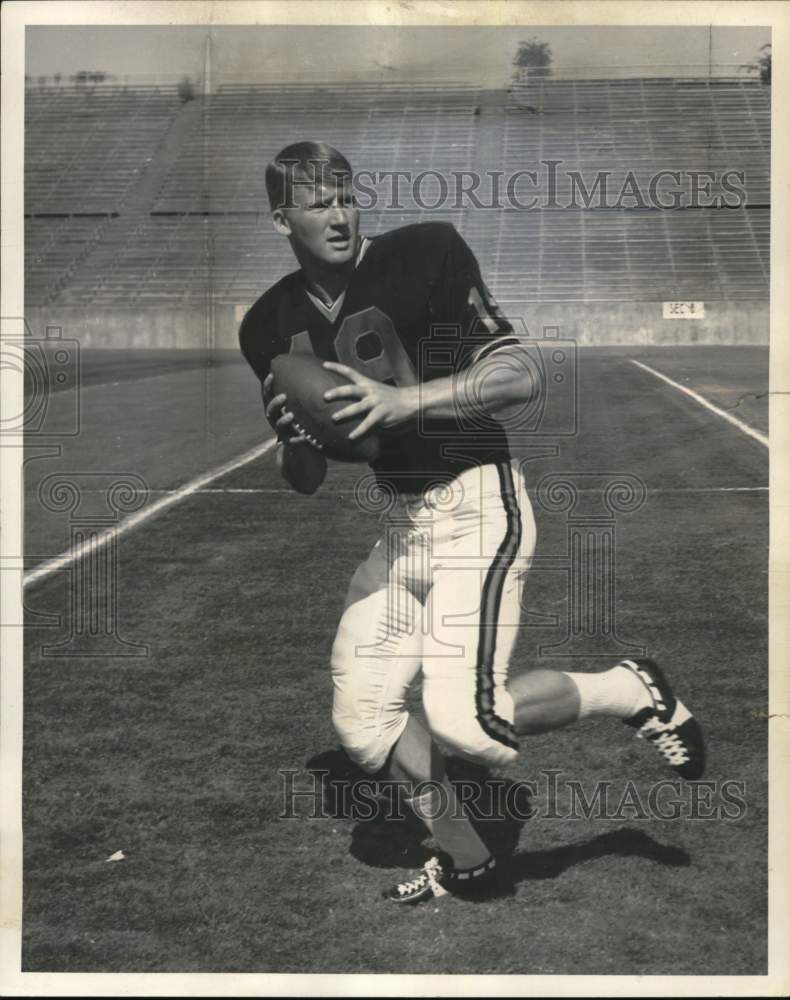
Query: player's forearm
{"type": "Point", "coordinates": [301, 466]}
{"type": "Point", "coordinates": [480, 390]}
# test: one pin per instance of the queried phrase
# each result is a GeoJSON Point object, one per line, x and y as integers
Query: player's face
{"type": "Point", "coordinates": [323, 222]}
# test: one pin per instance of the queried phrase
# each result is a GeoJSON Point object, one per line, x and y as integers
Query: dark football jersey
{"type": "Point", "coordinates": [415, 309]}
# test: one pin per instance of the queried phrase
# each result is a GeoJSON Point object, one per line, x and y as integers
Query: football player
{"type": "Point", "coordinates": [459, 530]}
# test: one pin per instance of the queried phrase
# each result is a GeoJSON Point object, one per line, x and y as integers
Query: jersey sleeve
{"type": "Point", "coordinates": [461, 300]}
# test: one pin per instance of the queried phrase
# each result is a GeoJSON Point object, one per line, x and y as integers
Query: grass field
{"type": "Point", "coordinates": [175, 757]}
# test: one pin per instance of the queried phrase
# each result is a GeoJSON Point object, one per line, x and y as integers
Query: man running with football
{"type": "Point", "coordinates": [459, 530]}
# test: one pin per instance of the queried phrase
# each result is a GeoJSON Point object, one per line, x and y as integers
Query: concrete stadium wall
{"type": "Point", "coordinates": [604, 323]}
{"type": "Point", "coordinates": [611, 323]}
{"type": "Point", "coordinates": [146, 327]}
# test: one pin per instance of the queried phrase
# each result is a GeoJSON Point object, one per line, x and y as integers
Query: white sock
{"type": "Point", "coordinates": [617, 692]}
{"type": "Point", "coordinates": [449, 823]}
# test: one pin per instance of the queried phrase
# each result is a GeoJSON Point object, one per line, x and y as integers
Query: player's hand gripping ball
{"type": "Point", "coordinates": [304, 380]}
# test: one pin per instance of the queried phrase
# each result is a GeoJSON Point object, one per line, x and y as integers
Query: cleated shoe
{"type": "Point", "coordinates": [424, 885]}
{"type": "Point", "coordinates": [668, 725]}
{"type": "Point", "coordinates": [439, 878]}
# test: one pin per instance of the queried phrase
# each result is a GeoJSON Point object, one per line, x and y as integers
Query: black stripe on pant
{"type": "Point", "coordinates": [497, 728]}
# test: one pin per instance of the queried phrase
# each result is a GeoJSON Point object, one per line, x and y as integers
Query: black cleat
{"type": "Point", "coordinates": [425, 884]}
{"type": "Point", "coordinates": [438, 878]}
{"type": "Point", "coordinates": [668, 725]}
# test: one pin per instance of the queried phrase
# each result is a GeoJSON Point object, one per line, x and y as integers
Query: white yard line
{"type": "Point", "coordinates": [128, 524]}
{"type": "Point", "coordinates": [200, 484]}
{"type": "Point", "coordinates": [745, 428]}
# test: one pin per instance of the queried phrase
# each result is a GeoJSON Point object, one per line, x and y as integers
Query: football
{"type": "Point", "coordinates": [304, 381]}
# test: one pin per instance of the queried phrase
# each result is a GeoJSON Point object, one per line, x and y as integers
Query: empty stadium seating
{"type": "Point", "coordinates": [85, 148]}
{"type": "Point", "coordinates": [644, 126]}
{"type": "Point", "coordinates": [141, 226]}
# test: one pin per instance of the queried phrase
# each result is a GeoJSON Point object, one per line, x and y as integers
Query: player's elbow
{"type": "Point", "coordinates": [504, 378]}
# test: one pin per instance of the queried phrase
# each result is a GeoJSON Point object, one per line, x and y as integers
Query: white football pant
{"type": "Point", "coordinates": [441, 590]}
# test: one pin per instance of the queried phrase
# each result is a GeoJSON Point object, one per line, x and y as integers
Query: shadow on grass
{"type": "Point", "coordinates": [622, 843]}
{"type": "Point", "coordinates": [393, 837]}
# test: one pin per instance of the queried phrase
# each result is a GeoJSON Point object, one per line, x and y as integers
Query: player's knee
{"type": "Point", "coordinates": [481, 747]}
{"type": "Point", "coordinates": [367, 745]}
{"type": "Point", "coordinates": [343, 654]}
{"type": "Point", "coordinates": [362, 747]}
{"type": "Point", "coordinates": [473, 737]}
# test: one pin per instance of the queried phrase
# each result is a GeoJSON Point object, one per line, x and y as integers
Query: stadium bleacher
{"type": "Point", "coordinates": [644, 126]}
{"type": "Point", "coordinates": [86, 148]}
{"type": "Point", "coordinates": [111, 220]}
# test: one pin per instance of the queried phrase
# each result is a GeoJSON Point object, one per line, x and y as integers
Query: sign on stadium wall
{"type": "Point", "coordinates": [684, 310]}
